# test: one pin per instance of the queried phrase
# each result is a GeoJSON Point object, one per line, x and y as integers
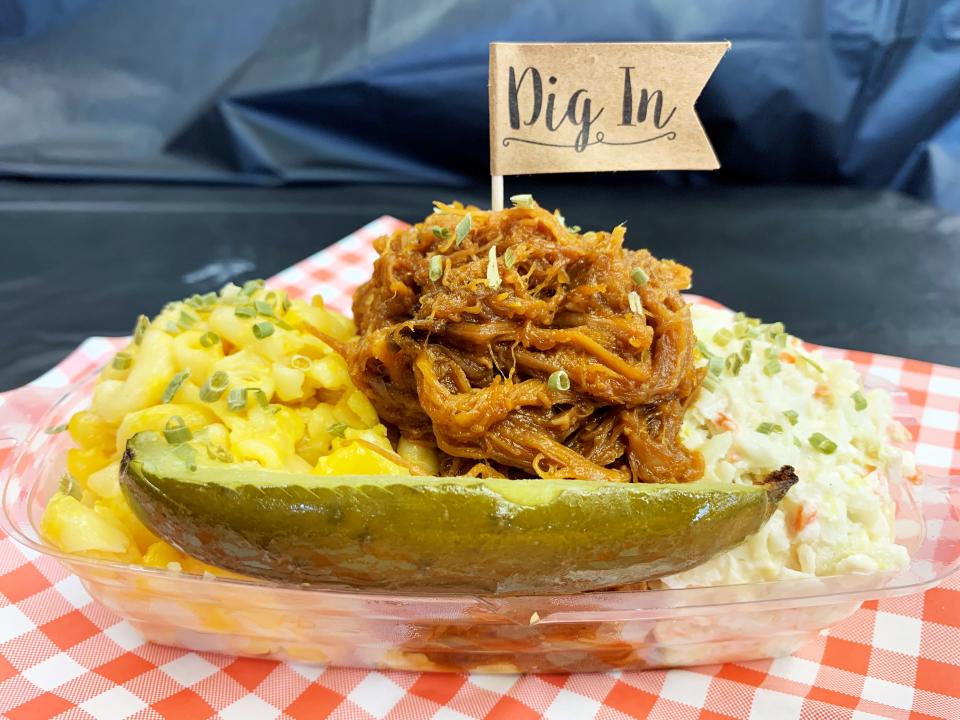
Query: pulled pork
{"type": "Point", "coordinates": [468, 316]}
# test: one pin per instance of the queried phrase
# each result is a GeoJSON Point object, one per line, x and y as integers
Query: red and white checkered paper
{"type": "Point", "coordinates": [63, 655]}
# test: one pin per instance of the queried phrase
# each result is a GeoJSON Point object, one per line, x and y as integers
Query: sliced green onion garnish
{"type": "Point", "coordinates": [715, 366]}
{"type": "Point", "coordinates": [209, 339]}
{"type": "Point", "coordinates": [771, 353]}
{"type": "Point", "coordinates": [441, 233]}
{"type": "Point", "coordinates": [176, 431]}
{"type": "Point", "coordinates": [771, 368]}
{"type": "Point", "coordinates": [796, 441]}
{"type": "Point", "coordinates": [559, 380]}
{"type": "Point", "coordinates": [237, 399]}
{"type": "Point", "coordinates": [722, 337]}
{"type": "Point", "coordinates": [263, 308]}
{"type": "Point", "coordinates": [639, 277]}
{"type": "Point", "coordinates": [214, 387]}
{"type": "Point", "coordinates": [186, 320]}
{"type": "Point", "coordinates": [822, 444]}
{"type": "Point", "coordinates": [780, 340]}
{"type": "Point", "coordinates": [140, 329]}
{"type": "Point", "coordinates": [509, 257]}
{"type": "Point", "coordinates": [463, 228]}
{"type": "Point", "coordinates": [734, 363]}
{"type": "Point", "coordinates": [259, 395]}
{"type": "Point", "coordinates": [493, 272]}
{"type": "Point", "coordinates": [746, 351]}
{"type": "Point", "coordinates": [574, 228]}
{"type": "Point", "coordinates": [703, 350]}
{"type": "Point", "coordinates": [739, 330]}
{"type": "Point", "coordinates": [301, 362]}
{"type": "Point", "coordinates": [56, 429]}
{"type": "Point", "coordinates": [284, 325]}
{"type": "Point", "coordinates": [636, 304]}
{"type": "Point", "coordinates": [811, 362]}
{"type": "Point", "coordinates": [251, 286]}
{"type": "Point", "coordinates": [709, 383]}
{"type": "Point", "coordinates": [436, 267]}
{"type": "Point", "coordinates": [122, 360]}
{"type": "Point", "coordinates": [69, 486]}
{"type": "Point", "coordinates": [859, 401]}
{"type": "Point", "coordinates": [172, 328]}
{"type": "Point", "coordinates": [338, 429]}
{"type": "Point", "coordinates": [209, 299]}
{"type": "Point", "coordinates": [768, 427]}
{"type": "Point", "coordinates": [187, 454]}
{"type": "Point", "coordinates": [285, 302]}
{"type": "Point", "coordinates": [522, 201]}
{"type": "Point", "coordinates": [792, 415]}
{"type": "Point", "coordinates": [245, 311]}
{"type": "Point", "coordinates": [174, 385]}
{"type": "Point", "coordinates": [262, 330]}
{"type": "Point", "coordinates": [560, 218]}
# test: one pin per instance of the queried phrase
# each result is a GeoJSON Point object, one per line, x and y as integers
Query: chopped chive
{"type": "Point", "coordinates": [186, 320]}
{"type": "Point", "coordinates": [859, 401]}
{"type": "Point", "coordinates": [209, 299]}
{"type": "Point", "coordinates": [811, 362]}
{"type": "Point", "coordinates": [122, 360]}
{"type": "Point", "coordinates": [251, 286]}
{"type": "Point", "coordinates": [301, 362]}
{"type": "Point", "coordinates": [739, 330]}
{"type": "Point", "coordinates": [822, 444]}
{"type": "Point", "coordinates": [172, 328]}
{"type": "Point", "coordinates": [56, 429]}
{"type": "Point", "coordinates": [709, 383]}
{"type": "Point", "coordinates": [263, 308]}
{"type": "Point", "coordinates": [245, 311]}
{"type": "Point", "coordinates": [796, 441]}
{"type": "Point", "coordinates": [436, 267]}
{"type": "Point", "coordinates": [285, 302]}
{"type": "Point", "coordinates": [792, 415]}
{"type": "Point", "coordinates": [636, 304]}
{"type": "Point", "coordinates": [560, 218]}
{"type": "Point", "coordinates": [771, 353]}
{"type": "Point", "coordinates": [69, 486]}
{"type": "Point", "coordinates": [338, 429]}
{"type": "Point", "coordinates": [237, 399]}
{"type": "Point", "coordinates": [715, 366]}
{"type": "Point", "coordinates": [768, 427]}
{"type": "Point", "coordinates": [262, 330]}
{"type": "Point", "coordinates": [559, 380]}
{"type": "Point", "coordinates": [174, 385]}
{"type": "Point", "coordinates": [140, 329]}
{"type": "Point", "coordinates": [746, 351]}
{"type": "Point", "coordinates": [639, 277]}
{"type": "Point", "coordinates": [509, 257]}
{"type": "Point", "coordinates": [734, 363]}
{"type": "Point", "coordinates": [271, 298]}
{"type": "Point", "coordinates": [463, 228]}
{"type": "Point", "coordinates": [209, 339]}
{"type": "Point", "coordinates": [441, 233]}
{"type": "Point", "coordinates": [722, 337]}
{"type": "Point", "coordinates": [188, 455]}
{"type": "Point", "coordinates": [703, 350]}
{"type": "Point", "coordinates": [522, 201]}
{"type": "Point", "coordinates": [283, 325]}
{"type": "Point", "coordinates": [780, 340]}
{"type": "Point", "coordinates": [493, 272]}
{"type": "Point", "coordinates": [259, 395]}
{"type": "Point", "coordinates": [176, 431]}
{"type": "Point", "coordinates": [771, 368]}
{"type": "Point", "coordinates": [214, 387]}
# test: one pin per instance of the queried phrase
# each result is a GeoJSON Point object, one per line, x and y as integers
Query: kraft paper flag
{"type": "Point", "coordinates": [599, 106]}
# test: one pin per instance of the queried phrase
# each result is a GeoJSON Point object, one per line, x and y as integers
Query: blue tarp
{"type": "Point", "coordinates": [292, 91]}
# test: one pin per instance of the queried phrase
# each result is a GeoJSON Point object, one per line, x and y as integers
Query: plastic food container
{"type": "Point", "coordinates": [557, 633]}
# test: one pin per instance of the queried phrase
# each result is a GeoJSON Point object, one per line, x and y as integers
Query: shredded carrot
{"type": "Point", "coordinates": [803, 518]}
{"type": "Point", "coordinates": [787, 357]}
{"type": "Point", "coordinates": [822, 391]}
{"type": "Point", "coordinates": [725, 421]}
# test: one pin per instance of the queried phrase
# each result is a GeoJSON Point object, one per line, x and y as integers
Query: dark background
{"type": "Point", "coordinates": [142, 141]}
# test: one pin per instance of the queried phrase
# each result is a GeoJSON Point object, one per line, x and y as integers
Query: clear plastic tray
{"type": "Point", "coordinates": [562, 633]}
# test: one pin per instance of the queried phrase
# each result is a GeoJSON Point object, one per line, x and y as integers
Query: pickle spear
{"type": "Point", "coordinates": [417, 534]}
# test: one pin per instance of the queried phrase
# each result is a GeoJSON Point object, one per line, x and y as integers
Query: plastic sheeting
{"type": "Point", "coordinates": [290, 91]}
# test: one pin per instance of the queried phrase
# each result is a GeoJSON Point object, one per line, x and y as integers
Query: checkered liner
{"type": "Point", "coordinates": [61, 654]}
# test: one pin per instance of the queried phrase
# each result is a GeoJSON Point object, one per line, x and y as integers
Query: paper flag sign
{"type": "Point", "coordinates": [599, 106]}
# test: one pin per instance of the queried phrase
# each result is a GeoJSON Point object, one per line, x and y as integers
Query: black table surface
{"type": "Point", "coordinates": [863, 269]}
